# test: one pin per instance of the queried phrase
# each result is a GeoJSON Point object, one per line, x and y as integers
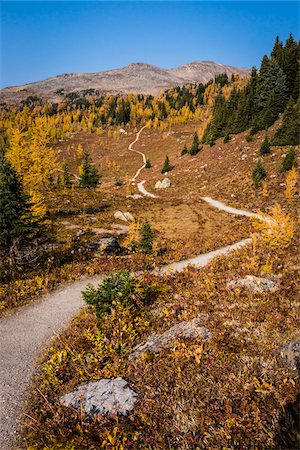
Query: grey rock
{"type": "Point", "coordinates": [290, 353]}
{"type": "Point", "coordinates": [254, 284]}
{"type": "Point", "coordinates": [186, 329]}
{"type": "Point", "coordinates": [163, 184]}
{"type": "Point", "coordinates": [109, 246]}
{"type": "Point", "coordinates": [105, 397]}
{"type": "Point", "coordinates": [126, 216]}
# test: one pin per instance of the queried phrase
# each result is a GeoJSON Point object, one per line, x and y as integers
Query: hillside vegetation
{"type": "Point", "coordinates": [235, 140]}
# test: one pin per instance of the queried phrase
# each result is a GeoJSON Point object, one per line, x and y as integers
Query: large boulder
{"type": "Point", "coordinates": [254, 284]}
{"type": "Point", "coordinates": [290, 353]}
{"type": "Point", "coordinates": [186, 329]}
{"type": "Point", "coordinates": [165, 183]}
{"type": "Point", "coordinates": [105, 397]}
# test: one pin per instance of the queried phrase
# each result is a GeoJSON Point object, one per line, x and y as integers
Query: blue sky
{"type": "Point", "coordinates": [43, 39]}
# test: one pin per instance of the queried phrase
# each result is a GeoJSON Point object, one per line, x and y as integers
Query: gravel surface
{"type": "Point", "coordinates": [26, 332]}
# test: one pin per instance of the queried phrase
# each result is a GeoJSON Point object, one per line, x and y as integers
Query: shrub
{"type": "Point", "coordinates": [289, 161]}
{"type": "Point", "coordinates": [265, 148]}
{"type": "Point", "coordinates": [227, 138]}
{"type": "Point", "coordinates": [119, 182]}
{"type": "Point", "coordinates": [118, 288]}
{"type": "Point", "coordinates": [148, 164]}
{"type": "Point", "coordinates": [185, 150]}
{"type": "Point", "coordinates": [249, 138]}
{"type": "Point", "coordinates": [259, 174]}
{"type": "Point", "coordinates": [146, 238]}
{"type": "Point", "coordinates": [195, 148]}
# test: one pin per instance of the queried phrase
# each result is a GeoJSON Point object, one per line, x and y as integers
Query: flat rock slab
{"type": "Point", "coordinates": [254, 284]}
{"type": "Point", "coordinates": [156, 342]}
{"type": "Point", "coordinates": [290, 353]}
{"type": "Point", "coordinates": [106, 397]}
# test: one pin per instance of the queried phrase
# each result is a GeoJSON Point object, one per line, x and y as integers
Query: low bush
{"type": "Point", "coordinates": [118, 288]}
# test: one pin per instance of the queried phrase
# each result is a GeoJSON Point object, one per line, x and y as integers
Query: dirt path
{"type": "Point", "coordinates": [140, 153]}
{"type": "Point", "coordinates": [25, 333]}
{"type": "Point", "coordinates": [140, 185]}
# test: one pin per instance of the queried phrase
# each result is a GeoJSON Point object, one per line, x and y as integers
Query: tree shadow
{"type": "Point", "coordinates": [288, 434]}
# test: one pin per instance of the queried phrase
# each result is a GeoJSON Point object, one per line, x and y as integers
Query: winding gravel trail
{"type": "Point", "coordinates": [140, 153]}
{"type": "Point", "coordinates": [140, 185]}
{"type": "Point", "coordinates": [26, 332]}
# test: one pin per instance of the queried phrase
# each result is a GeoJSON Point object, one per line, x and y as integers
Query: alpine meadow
{"type": "Point", "coordinates": [149, 235]}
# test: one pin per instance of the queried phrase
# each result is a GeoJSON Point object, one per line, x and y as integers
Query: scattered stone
{"type": "Point", "coordinates": [105, 397]}
{"type": "Point", "coordinates": [126, 216]}
{"type": "Point", "coordinates": [108, 245]}
{"type": "Point", "coordinates": [122, 131]}
{"type": "Point", "coordinates": [156, 342]}
{"type": "Point", "coordinates": [135, 196]}
{"type": "Point", "coordinates": [290, 353]}
{"type": "Point", "coordinates": [163, 184]}
{"type": "Point", "coordinates": [80, 233]}
{"type": "Point", "coordinates": [254, 284]}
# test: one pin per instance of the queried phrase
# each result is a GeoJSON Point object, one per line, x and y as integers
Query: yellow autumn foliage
{"type": "Point", "coordinates": [276, 229]}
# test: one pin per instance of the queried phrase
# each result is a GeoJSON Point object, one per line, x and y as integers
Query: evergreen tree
{"type": "Point", "coordinates": [18, 225]}
{"type": "Point", "coordinates": [195, 145]}
{"type": "Point", "coordinates": [289, 161]}
{"type": "Point", "coordinates": [146, 238]}
{"type": "Point", "coordinates": [265, 148]}
{"type": "Point", "coordinates": [289, 132]}
{"type": "Point", "coordinates": [259, 174]}
{"type": "Point", "coordinates": [89, 175]}
{"type": "Point", "coordinates": [67, 177]}
{"type": "Point", "coordinates": [148, 164]}
{"type": "Point", "coordinates": [167, 167]}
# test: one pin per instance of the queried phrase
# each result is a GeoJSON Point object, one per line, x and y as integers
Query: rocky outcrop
{"type": "Point", "coordinates": [105, 397]}
{"type": "Point", "coordinates": [156, 342]}
{"type": "Point", "coordinates": [290, 353]}
{"type": "Point", "coordinates": [163, 184]}
{"type": "Point", "coordinates": [109, 246]}
{"type": "Point", "coordinates": [254, 284]}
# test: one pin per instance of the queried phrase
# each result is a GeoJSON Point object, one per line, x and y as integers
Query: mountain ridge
{"type": "Point", "coordinates": [136, 77]}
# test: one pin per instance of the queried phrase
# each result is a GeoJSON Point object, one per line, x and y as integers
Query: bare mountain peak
{"type": "Point", "coordinates": [136, 77]}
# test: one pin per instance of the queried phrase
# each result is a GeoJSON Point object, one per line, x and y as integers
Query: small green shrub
{"type": "Point", "coordinates": [119, 182]}
{"type": "Point", "coordinates": [265, 148]}
{"type": "Point", "coordinates": [120, 287]}
{"type": "Point", "coordinates": [249, 138]}
{"type": "Point", "coordinates": [289, 160]}
{"type": "Point", "coordinates": [146, 238]}
{"type": "Point", "coordinates": [148, 164]}
{"type": "Point", "coordinates": [185, 150]}
{"type": "Point", "coordinates": [259, 174]}
{"type": "Point", "coordinates": [227, 138]}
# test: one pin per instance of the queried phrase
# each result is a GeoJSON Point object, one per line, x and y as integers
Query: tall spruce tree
{"type": "Point", "coordinates": [18, 225]}
{"type": "Point", "coordinates": [289, 132]}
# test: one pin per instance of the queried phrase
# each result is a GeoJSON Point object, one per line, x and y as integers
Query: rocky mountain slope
{"type": "Point", "coordinates": [136, 77]}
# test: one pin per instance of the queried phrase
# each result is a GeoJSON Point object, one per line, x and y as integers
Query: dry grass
{"type": "Point", "coordinates": [229, 393]}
